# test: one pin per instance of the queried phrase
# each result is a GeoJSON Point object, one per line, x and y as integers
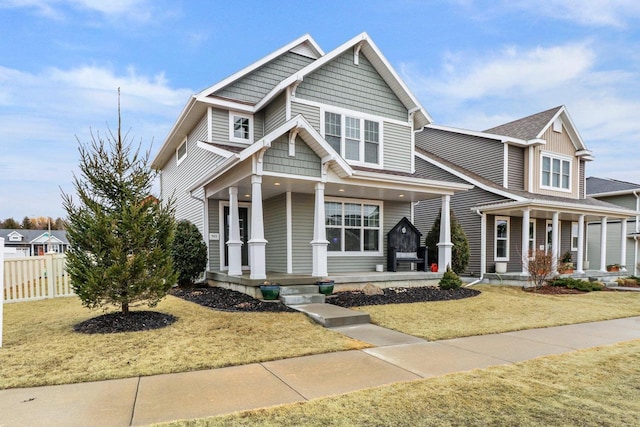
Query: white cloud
{"type": "Point", "coordinates": [598, 13]}
{"type": "Point", "coordinates": [139, 10]}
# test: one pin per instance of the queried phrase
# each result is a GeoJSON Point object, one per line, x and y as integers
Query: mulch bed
{"type": "Point", "coordinates": [554, 290]}
{"type": "Point", "coordinates": [399, 296]}
{"type": "Point", "coordinates": [228, 300]}
{"type": "Point", "coordinates": [117, 322]}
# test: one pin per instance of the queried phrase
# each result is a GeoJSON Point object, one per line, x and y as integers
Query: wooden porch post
{"type": "Point", "coordinates": [526, 216]}
{"type": "Point", "coordinates": [319, 243]}
{"type": "Point", "coordinates": [603, 244]}
{"type": "Point", "coordinates": [483, 244]}
{"type": "Point", "coordinates": [555, 241]}
{"type": "Point", "coordinates": [234, 243]}
{"type": "Point", "coordinates": [623, 244]}
{"type": "Point", "coordinates": [257, 252]}
{"type": "Point", "coordinates": [580, 260]}
{"type": "Point", "coordinates": [444, 245]}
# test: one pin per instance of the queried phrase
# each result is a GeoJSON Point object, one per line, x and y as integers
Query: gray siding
{"type": "Point", "coordinates": [479, 155]}
{"type": "Point", "coordinates": [356, 87]}
{"type": "Point", "coordinates": [275, 232]}
{"type": "Point", "coordinates": [258, 125]}
{"type": "Point", "coordinates": [214, 227]}
{"type": "Point", "coordinates": [175, 179]}
{"type": "Point", "coordinates": [306, 162]}
{"type": "Point", "coordinates": [275, 114]}
{"type": "Point", "coordinates": [397, 147]}
{"type": "Point", "coordinates": [220, 125]}
{"type": "Point", "coordinates": [613, 245]}
{"type": "Point", "coordinates": [254, 86]}
{"type": "Point", "coordinates": [428, 171]}
{"type": "Point", "coordinates": [582, 180]}
{"type": "Point", "coordinates": [516, 168]}
{"type": "Point", "coordinates": [392, 213]}
{"type": "Point", "coordinates": [302, 224]}
{"type": "Point", "coordinates": [626, 201]}
{"type": "Point", "coordinates": [311, 113]}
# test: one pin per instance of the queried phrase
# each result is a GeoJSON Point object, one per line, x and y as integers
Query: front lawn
{"type": "Point", "coordinates": [502, 309]}
{"type": "Point", "coordinates": [41, 348]}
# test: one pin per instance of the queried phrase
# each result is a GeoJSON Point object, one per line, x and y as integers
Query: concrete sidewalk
{"type": "Point", "coordinates": [398, 357]}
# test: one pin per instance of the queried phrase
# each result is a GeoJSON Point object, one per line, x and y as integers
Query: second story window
{"type": "Point", "coordinates": [556, 172]}
{"type": "Point", "coordinates": [240, 127]}
{"type": "Point", "coordinates": [355, 138]}
{"type": "Point", "coordinates": [181, 152]}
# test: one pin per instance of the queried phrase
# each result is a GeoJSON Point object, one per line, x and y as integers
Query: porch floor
{"type": "Point", "coordinates": [519, 279]}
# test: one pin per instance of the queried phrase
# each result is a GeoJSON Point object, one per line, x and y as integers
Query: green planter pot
{"type": "Point", "coordinates": [325, 287]}
{"type": "Point", "coordinates": [270, 292]}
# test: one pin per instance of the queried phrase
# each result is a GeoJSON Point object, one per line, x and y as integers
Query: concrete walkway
{"type": "Point", "coordinates": [397, 357]}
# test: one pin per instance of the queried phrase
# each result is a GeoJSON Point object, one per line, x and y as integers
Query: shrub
{"type": "Point", "coordinates": [189, 253]}
{"type": "Point", "coordinates": [450, 280]}
{"type": "Point", "coordinates": [459, 251]}
{"type": "Point", "coordinates": [581, 285]}
{"type": "Point", "coordinates": [540, 268]}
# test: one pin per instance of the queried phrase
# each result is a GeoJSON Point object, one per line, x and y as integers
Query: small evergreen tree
{"type": "Point", "coordinates": [189, 253]}
{"type": "Point", "coordinates": [10, 223]}
{"type": "Point", "coordinates": [120, 236]}
{"type": "Point", "coordinates": [450, 280]}
{"type": "Point", "coordinates": [26, 223]}
{"type": "Point", "coordinates": [460, 249]}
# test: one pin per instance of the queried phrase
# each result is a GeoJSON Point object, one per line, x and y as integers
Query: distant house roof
{"type": "Point", "coordinates": [33, 236]}
{"type": "Point", "coordinates": [602, 186]}
{"type": "Point", "coordinates": [527, 127]}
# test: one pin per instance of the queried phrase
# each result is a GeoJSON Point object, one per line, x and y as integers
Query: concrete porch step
{"type": "Point", "coordinates": [331, 316]}
{"type": "Point", "coordinates": [296, 299]}
{"type": "Point", "coordinates": [298, 289]}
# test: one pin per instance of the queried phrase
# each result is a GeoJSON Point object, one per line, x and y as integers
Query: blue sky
{"type": "Point", "coordinates": [472, 64]}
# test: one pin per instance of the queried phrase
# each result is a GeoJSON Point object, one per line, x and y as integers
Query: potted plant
{"type": "Point", "coordinates": [270, 290]}
{"type": "Point", "coordinates": [325, 286]}
{"type": "Point", "coordinates": [613, 267]}
{"type": "Point", "coordinates": [565, 266]}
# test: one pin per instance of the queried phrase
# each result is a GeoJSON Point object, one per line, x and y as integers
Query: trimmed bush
{"type": "Point", "coordinates": [450, 280]}
{"type": "Point", "coordinates": [189, 253]}
{"type": "Point", "coordinates": [581, 285]}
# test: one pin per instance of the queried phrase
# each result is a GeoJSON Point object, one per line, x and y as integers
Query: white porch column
{"type": "Point", "coordinates": [555, 241]}
{"type": "Point", "coordinates": [526, 217]}
{"type": "Point", "coordinates": [603, 244]}
{"type": "Point", "coordinates": [623, 244]}
{"type": "Point", "coordinates": [483, 244]}
{"type": "Point", "coordinates": [234, 243]}
{"type": "Point", "coordinates": [257, 243]}
{"type": "Point", "coordinates": [1, 286]}
{"type": "Point", "coordinates": [444, 245]}
{"type": "Point", "coordinates": [580, 260]}
{"type": "Point", "coordinates": [319, 242]}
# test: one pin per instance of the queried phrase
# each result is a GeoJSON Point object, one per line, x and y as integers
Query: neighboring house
{"type": "Point", "coordinates": [35, 242]}
{"type": "Point", "coordinates": [529, 189]}
{"type": "Point", "coordinates": [622, 234]}
{"type": "Point", "coordinates": [301, 162]}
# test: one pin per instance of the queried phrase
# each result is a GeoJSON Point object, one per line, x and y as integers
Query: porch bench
{"type": "Point", "coordinates": [395, 257]}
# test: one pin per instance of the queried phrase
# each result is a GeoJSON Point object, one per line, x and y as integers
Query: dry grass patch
{"type": "Point", "coordinates": [41, 348]}
{"type": "Point", "coordinates": [502, 309]}
{"type": "Point", "coordinates": [588, 387]}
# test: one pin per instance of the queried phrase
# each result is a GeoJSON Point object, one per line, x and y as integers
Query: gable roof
{"type": "Point", "coordinates": [34, 236]}
{"type": "Point", "coordinates": [197, 104]}
{"type": "Point", "coordinates": [608, 186]}
{"type": "Point", "coordinates": [533, 127]}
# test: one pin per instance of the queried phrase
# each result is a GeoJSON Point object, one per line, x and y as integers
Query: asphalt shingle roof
{"type": "Point", "coordinates": [597, 185]}
{"type": "Point", "coordinates": [527, 127]}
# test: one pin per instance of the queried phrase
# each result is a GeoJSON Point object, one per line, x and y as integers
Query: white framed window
{"type": "Point", "coordinates": [356, 138]}
{"type": "Point", "coordinates": [556, 172]}
{"type": "Point", "coordinates": [501, 251]}
{"type": "Point", "coordinates": [532, 237]}
{"type": "Point", "coordinates": [574, 236]}
{"type": "Point", "coordinates": [240, 127]}
{"type": "Point", "coordinates": [353, 227]}
{"type": "Point", "coordinates": [181, 151]}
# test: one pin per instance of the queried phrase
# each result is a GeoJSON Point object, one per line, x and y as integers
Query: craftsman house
{"type": "Point", "coordinates": [301, 162]}
{"type": "Point", "coordinates": [35, 242]}
{"type": "Point", "coordinates": [622, 234]}
{"type": "Point", "coordinates": [529, 190]}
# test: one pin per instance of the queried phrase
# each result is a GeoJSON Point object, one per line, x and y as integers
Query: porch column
{"type": "Point", "coordinates": [444, 245]}
{"type": "Point", "coordinates": [603, 244]}
{"type": "Point", "coordinates": [580, 260]}
{"type": "Point", "coordinates": [623, 244]}
{"type": "Point", "coordinates": [234, 243]}
{"type": "Point", "coordinates": [555, 241]}
{"type": "Point", "coordinates": [319, 242]}
{"type": "Point", "coordinates": [257, 254]}
{"type": "Point", "coordinates": [483, 244]}
{"type": "Point", "coordinates": [526, 217]}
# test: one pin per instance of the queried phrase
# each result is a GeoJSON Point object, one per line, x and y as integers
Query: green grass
{"type": "Point", "coordinates": [502, 309]}
{"type": "Point", "coordinates": [41, 348]}
{"type": "Point", "coordinates": [589, 387]}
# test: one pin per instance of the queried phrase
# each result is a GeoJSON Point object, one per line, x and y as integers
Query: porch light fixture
{"type": "Point", "coordinates": [341, 190]}
{"type": "Point", "coordinates": [401, 195]}
{"type": "Point", "coordinates": [276, 183]}
{"type": "Point", "coordinates": [247, 195]}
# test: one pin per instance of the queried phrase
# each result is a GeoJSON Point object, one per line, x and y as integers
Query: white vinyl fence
{"type": "Point", "coordinates": [36, 277]}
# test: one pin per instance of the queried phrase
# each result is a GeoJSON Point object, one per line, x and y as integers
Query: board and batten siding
{"type": "Point", "coordinates": [214, 227]}
{"type": "Point", "coordinates": [275, 232]}
{"type": "Point", "coordinates": [302, 211]}
{"type": "Point", "coordinates": [176, 179]}
{"type": "Point", "coordinates": [557, 143]}
{"type": "Point", "coordinates": [305, 162]}
{"type": "Point", "coordinates": [392, 213]}
{"type": "Point", "coordinates": [516, 169]}
{"type": "Point", "coordinates": [397, 147]}
{"type": "Point", "coordinates": [275, 114]}
{"type": "Point", "coordinates": [310, 112]}
{"type": "Point", "coordinates": [254, 86]}
{"type": "Point", "coordinates": [355, 87]}
{"type": "Point", "coordinates": [479, 155]}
